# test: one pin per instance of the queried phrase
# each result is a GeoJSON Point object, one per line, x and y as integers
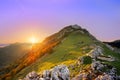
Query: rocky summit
{"type": "Point", "coordinates": [70, 54]}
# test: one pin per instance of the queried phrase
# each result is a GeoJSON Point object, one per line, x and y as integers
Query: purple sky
{"type": "Point", "coordinates": [21, 19]}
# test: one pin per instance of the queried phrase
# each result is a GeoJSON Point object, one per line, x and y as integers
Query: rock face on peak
{"type": "Point", "coordinates": [72, 28]}
{"type": "Point", "coordinates": [76, 26]}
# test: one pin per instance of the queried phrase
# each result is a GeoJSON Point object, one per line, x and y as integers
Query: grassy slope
{"type": "Point", "coordinates": [116, 63]}
{"type": "Point", "coordinates": [67, 53]}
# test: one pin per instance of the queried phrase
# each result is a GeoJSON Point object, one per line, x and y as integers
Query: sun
{"type": "Point", "coordinates": [33, 40]}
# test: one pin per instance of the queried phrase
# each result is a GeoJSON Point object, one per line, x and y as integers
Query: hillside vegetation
{"type": "Point", "coordinates": [75, 44]}
{"type": "Point", "coordinates": [72, 46]}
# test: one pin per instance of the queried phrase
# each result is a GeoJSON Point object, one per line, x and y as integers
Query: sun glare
{"type": "Point", "coordinates": [33, 40]}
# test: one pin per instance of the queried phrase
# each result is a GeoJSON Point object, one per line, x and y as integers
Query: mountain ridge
{"type": "Point", "coordinates": [65, 32]}
{"type": "Point", "coordinates": [39, 50]}
{"type": "Point", "coordinates": [63, 47]}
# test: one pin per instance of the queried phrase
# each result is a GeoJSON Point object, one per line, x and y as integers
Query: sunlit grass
{"type": "Point", "coordinates": [67, 52]}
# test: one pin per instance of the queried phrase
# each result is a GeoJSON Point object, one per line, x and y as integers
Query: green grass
{"type": "Point", "coordinates": [115, 63]}
{"type": "Point", "coordinates": [65, 53]}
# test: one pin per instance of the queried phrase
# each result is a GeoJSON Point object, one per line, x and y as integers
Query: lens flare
{"type": "Point", "coordinates": [33, 40]}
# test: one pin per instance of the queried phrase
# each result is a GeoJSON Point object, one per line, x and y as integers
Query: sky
{"type": "Point", "coordinates": [23, 19]}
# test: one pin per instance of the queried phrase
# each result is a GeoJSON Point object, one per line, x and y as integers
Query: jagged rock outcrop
{"type": "Point", "coordinates": [96, 52]}
{"type": "Point", "coordinates": [97, 66]}
{"type": "Point", "coordinates": [95, 73]}
{"type": "Point", "coordinates": [98, 70]}
{"type": "Point", "coordinates": [106, 58]}
{"type": "Point", "coordinates": [60, 72]}
{"type": "Point", "coordinates": [111, 75]}
{"type": "Point", "coordinates": [83, 76]}
{"type": "Point", "coordinates": [31, 76]}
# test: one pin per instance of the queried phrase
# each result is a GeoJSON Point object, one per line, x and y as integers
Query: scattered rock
{"type": "Point", "coordinates": [109, 76]}
{"type": "Point", "coordinates": [97, 66]}
{"type": "Point", "coordinates": [97, 70]}
{"type": "Point", "coordinates": [110, 47]}
{"type": "Point", "coordinates": [31, 76]}
{"type": "Point", "coordinates": [60, 72]}
{"type": "Point", "coordinates": [96, 52]}
{"type": "Point", "coordinates": [46, 75]}
{"type": "Point", "coordinates": [106, 58]}
{"type": "Point", "coordinates": [83, 76]}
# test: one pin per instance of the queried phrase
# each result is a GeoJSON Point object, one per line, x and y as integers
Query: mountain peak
{"type": "Point", "coordinates": [65, 32]}
{"type": "Point", "coordinates": [72, 28]}
{"type": "Point", "coordinates": [65, 47]}
{"type": "Point", "coordinates": [75, 26]}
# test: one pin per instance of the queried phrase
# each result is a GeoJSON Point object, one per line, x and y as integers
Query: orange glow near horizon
{"type": "Point", "coordinates": [33, 40]}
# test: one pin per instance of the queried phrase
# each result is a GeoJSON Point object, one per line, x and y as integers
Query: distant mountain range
{"type": "Point", "coordinates": [115, 43]}
{"type": "Point", "coordinates": [70, 54]}
{"type": "Point", "coordinates": [3, 45]}
{"type": "Point", "coordinates": [9, 53]}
